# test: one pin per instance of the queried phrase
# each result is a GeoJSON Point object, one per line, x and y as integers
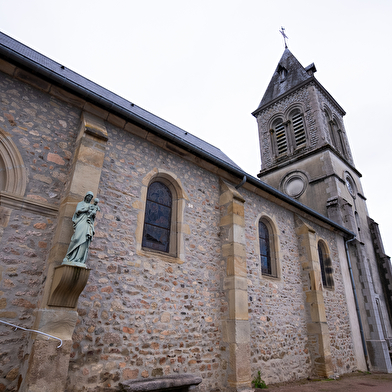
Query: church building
{"type": "Point", "coordinates": [132, 250]}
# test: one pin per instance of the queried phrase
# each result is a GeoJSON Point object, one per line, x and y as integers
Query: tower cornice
{"type": "Point", "coordinates": [306, 155]}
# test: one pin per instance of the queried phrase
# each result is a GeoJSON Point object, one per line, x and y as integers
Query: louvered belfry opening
{"type": "Point", "coordinates": [298, 128]}
{"type": "Point", "coordinates": [280, 135]}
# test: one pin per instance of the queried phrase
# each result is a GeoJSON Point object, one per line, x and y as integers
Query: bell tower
{"type": "Point", "coordinates": [304, 148]}
{"type": "Point", "coordinates": [305, 154]}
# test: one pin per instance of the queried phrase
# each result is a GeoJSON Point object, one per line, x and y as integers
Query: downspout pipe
{"type": "Point", "coordinates": [241, 183]}
{"type": "Point", "coordinates": [365, 352]}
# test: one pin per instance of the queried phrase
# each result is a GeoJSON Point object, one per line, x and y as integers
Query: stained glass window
{"type": "Point", "coordinates": [157, 219]}
{"type": "Point", "coordinates": [325, 266]}
{"type": "Point", "coordinates": [322, 264]}
{"type": "Point", "coordinates": [265, 254]}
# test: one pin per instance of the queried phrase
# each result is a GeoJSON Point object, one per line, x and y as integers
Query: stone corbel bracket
{"type": "Point", "coordinates": [68, 282]}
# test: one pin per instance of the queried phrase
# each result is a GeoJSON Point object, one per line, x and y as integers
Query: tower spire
{"type": "Point", "coordinates": [284, 36]}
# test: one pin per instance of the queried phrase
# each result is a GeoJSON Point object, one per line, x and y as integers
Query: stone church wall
{"type": "Point", "coordinates": [140, 316]}
{"type": "Point", "coordinates": [341, 339]}
{"type": "Point", "coordinates": [277, 306]}
{"type": "Point", "coordinates": [43, 130]}
{"type": "Point", "coordinates": [277, 311]}
{"type": "Point", "coordinates": [24, 247]}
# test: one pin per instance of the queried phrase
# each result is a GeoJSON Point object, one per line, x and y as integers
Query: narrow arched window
{"type": "Point", "coordinates": [280, 137]}
{"type": "Point", "coordinates": [342, 143]}
{"type": "Point", "coordinates": [325, 266]}
{"type": "Point", "coordinates": [265, 249]}
{"type": "Point", "coordinates": [3, 177]}
{"type": "Point", "coordinates": [157, 218]}
{"type": "Point", "coordinates": [298, 127]}
{"type": "Point", "coordinates": [357, 220]}
{"type": "Point", "coordinates": [331, 129]}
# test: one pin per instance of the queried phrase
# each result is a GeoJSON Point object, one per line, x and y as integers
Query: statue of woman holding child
{"type": "Point", "coordinates": [83, 224]}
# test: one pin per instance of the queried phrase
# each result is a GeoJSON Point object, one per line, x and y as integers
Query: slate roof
{"type": "Point", "coordinates": [295, 75]}
{"type": "Point", "coordinates": [10, 49]}
{"type": "Point", "coordinates": [21, 55]}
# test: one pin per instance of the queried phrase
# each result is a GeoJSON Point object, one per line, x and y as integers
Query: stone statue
{"type": "Point", "coordinates": [83, 224]}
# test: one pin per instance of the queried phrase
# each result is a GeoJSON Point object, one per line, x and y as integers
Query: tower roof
{"type": "Point", "coordinates": [288, 74]}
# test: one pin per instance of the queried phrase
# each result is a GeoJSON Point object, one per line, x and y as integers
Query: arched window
{"type": "Point", "coordinates": [325, 266]}
{"type": "Point", "coordinates": [280, 139]}
{"type": "Point", "coordinates": [331, 129]}
{"type": "Point", "coordinates": [298, 128]}
{"type": "Point", "coordinates": [161, 227]}
{"type": "Point", "coordinates": [265, 251]}
{"type": "Point", "coordinates": [357, 220]}
{"type": "Point", "coordinates": [158, 218]}
{"type": "Point", "coordinates": [337, 136]}
{"type": "Point", "coordinates": [342, 143]}
{"type": "Point", "coordinates": [268, 251]}
{"type": "Point", "coordinates": [3, 177]}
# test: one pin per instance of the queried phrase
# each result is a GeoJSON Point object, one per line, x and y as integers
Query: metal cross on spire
{"type": "Point", "coordinates": [284, 36]}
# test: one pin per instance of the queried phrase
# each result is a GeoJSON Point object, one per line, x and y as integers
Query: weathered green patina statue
{"type": "Point", "coordinates": [83, 224]}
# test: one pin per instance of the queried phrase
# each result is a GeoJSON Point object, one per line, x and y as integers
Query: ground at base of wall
{"type": "Point", "coordinates": [357, 381]}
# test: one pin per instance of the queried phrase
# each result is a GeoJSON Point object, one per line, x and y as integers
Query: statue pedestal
{"type": "Point", "coordinates": [47, 367]}
{"type": "Point", "coordinates": [68, 282]}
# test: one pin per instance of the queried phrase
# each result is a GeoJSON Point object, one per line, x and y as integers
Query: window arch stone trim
{"type": "Point", "coordinates": [178, 228]}
{"type": "Point", "coordinates": [12, 168]}
{"type": "Point", "coordinates": [326, 268]}
{"type": "Point", "coordinates": [293, 135]}
{"type": "Point", "coordinates": [295, 106]}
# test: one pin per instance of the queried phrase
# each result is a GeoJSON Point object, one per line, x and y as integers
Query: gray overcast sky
{"type": "Point", "coordinates": [205, 65]}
